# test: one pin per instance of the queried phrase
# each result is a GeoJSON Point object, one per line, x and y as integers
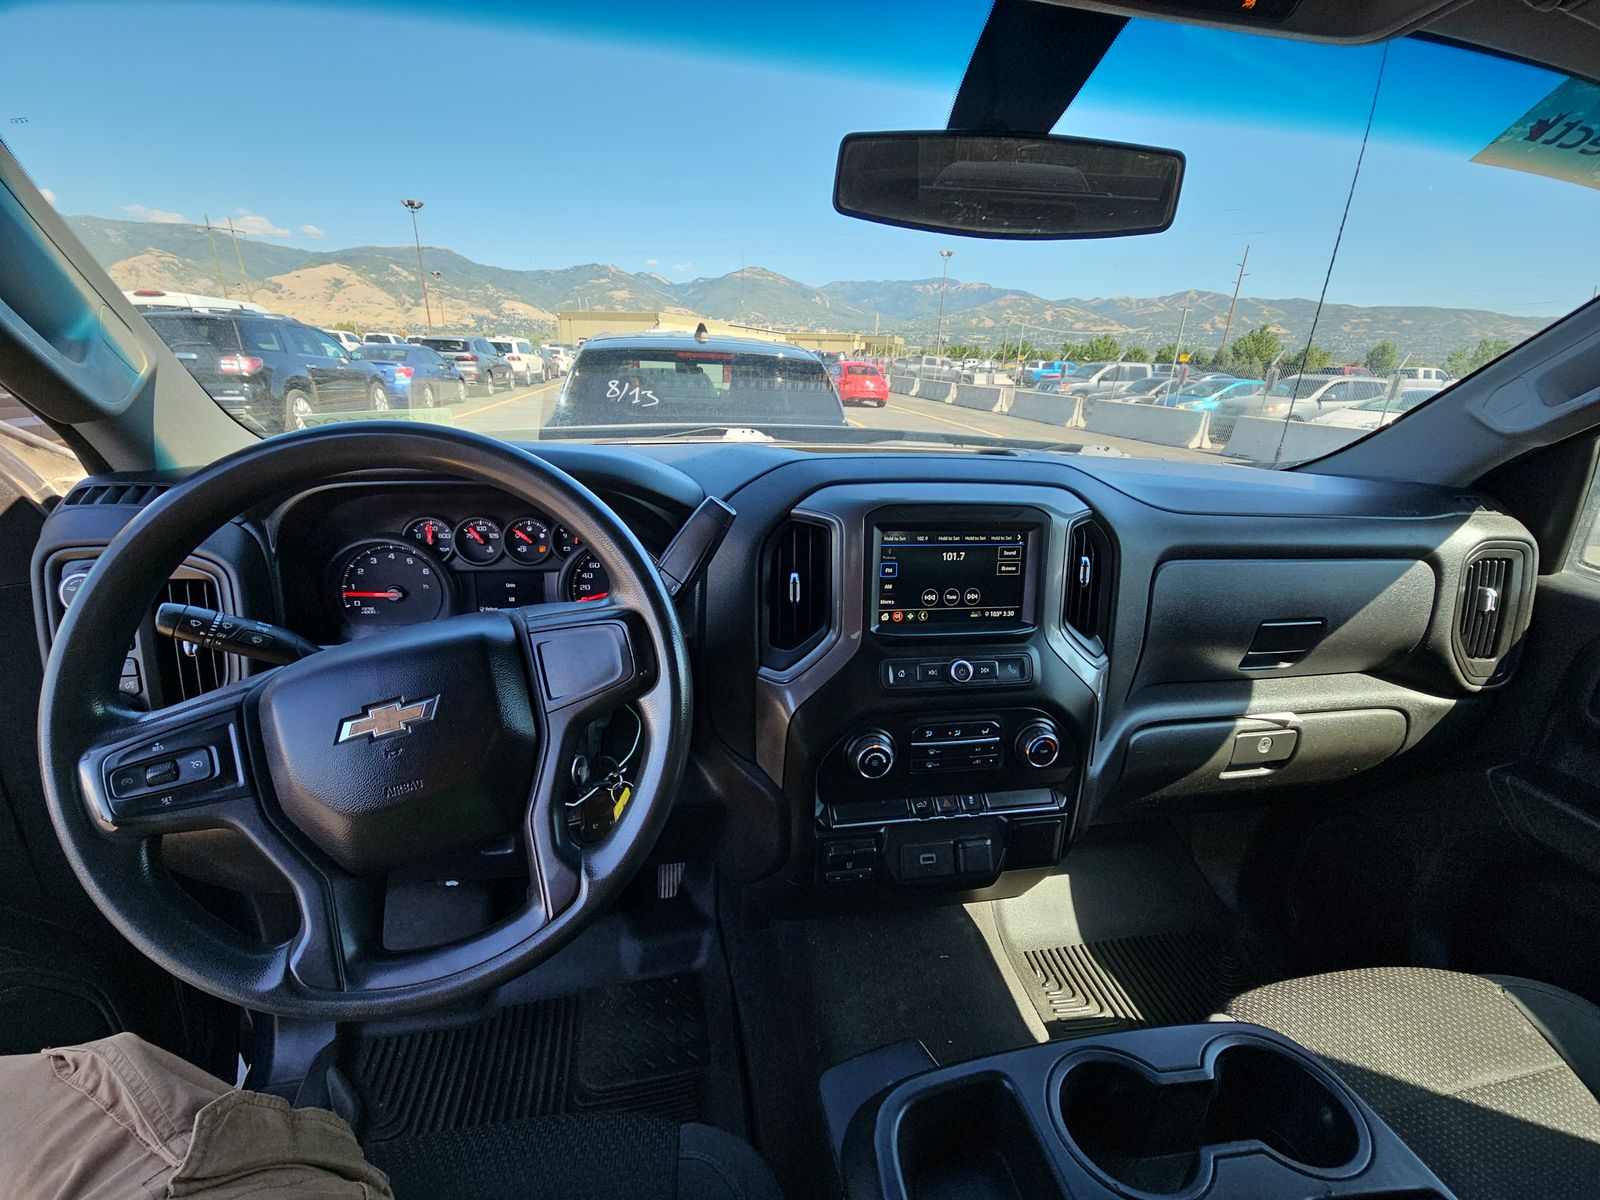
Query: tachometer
{"type": "Point", "coordinates": [432, 534]}
{"type": "Point", "coordinates": [388, 583]}
{"type": "Point", "coordinates": [478, 540]}
{"type": "Point", "coordinates": [588, 580]}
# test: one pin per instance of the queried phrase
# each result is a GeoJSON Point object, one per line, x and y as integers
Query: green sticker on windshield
{"type": "Point", "coordinates": [1558, 137]}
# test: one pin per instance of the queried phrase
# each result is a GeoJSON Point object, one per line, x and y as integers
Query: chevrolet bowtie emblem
{"type": "Point", "coordinates": [382, 720]}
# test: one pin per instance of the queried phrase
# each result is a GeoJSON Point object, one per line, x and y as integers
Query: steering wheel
{"type": "Point", "coordinates": [363, 757]}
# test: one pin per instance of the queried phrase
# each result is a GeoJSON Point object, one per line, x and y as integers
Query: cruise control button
{"type": "Point", "coordinates": [127, 781]}
{"type": "Point", "coordinates": [161, 774]}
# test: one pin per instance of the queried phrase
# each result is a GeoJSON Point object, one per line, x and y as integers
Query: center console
{"type": "Point", "coordinates": [935, 742]}
{"type": "Point", "coordinates": [1202, 1112]}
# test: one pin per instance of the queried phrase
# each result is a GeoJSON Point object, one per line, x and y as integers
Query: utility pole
{"type": "Point", "coordinates": [427, 304]}
{"type": "Point", "coordinates": [1228, 328]}
{"type": "Point", "coordinates": [216, 260]}
{"type": "Point", "coordinates": [439, 286]}
{"type": "Point", "coordinates": [238, 255]}
{"type": "Point", "coordinates": [943, 279]}
{"type": "Point", "coordinates": [1177, 349]}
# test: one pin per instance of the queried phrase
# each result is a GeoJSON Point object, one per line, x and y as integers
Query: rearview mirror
{"type": "Point", "coordinates": [1007, 185]}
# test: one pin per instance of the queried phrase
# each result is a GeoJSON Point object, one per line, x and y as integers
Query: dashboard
{"type": "Point", "coordinates": [919, 675]}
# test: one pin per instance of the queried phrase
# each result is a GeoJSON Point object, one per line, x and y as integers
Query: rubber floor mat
{"type": "Point", "coordinates": [640, 1047]}
{"type": "Point", "coordinates": [1128, 983]}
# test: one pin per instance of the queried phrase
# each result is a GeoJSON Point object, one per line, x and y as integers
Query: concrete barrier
{"type": "Point", "coordinates": [1267, 440]}
{"type": "Point", "coordinates": [906, 385]}
{"type": "Point", "coordinates": [1046, 408]}
{"type": "Point", "coordinates": [981, 398]}
{"type": "Point", "coordinates": [1150, 423]}
{"type": "Point", "coordinates": [936, 389]}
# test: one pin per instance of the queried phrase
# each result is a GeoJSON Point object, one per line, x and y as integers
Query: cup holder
{"type": "Point", "coordinates": [973, 1142]}
{"type": "Point", "coordinates": [1150, 1136]}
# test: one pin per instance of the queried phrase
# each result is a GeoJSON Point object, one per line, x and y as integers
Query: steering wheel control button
{"type": "Point", "coordinates": [1264, 748]}
{"type": "Point", "coordinates": [960, 671]}
{"type": "Point", "coordinates": [161, 774]}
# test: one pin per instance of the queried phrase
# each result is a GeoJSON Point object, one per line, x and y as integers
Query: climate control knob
{"type": "Point", "coordinates": [1039, 745]}
{"type": "Point", "coordinates": [872, 754]}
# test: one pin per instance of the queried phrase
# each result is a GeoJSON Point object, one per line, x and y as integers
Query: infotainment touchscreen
{"type": "Point", "coordinates": [940, 579]}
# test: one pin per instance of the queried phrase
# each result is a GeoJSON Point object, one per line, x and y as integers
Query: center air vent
{"type": "Point", "coordinates": [798, 588]}
{"type": "Point", "coordinates": [1087, 608]}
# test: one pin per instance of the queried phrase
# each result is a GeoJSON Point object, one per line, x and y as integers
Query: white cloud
{"type": "Point", "coordinates": [246, 221]}
{"type": "Point", "coordinates": [155, 215]}
{"type": "Point", "coordinates": [652, 262]}
{"type": "Point", "coordinates": [311, 231]}
{"type": "Point", "coordinates": [681, 266]}
{"type": "Point", "coordinates": [49, 196]}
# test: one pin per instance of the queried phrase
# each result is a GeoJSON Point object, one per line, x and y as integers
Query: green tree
{"type": "Point", "coordinates": [347, 326]}
{"type": "Point", "coordinates": [1103, 346]}
{"type": "Point", "coordinates": [1252, 352]}
{"type": "Point", "coordinates": [1167, 353]}
{"type": "Point", "coordinates": [1469, 358]}
{"type": "Point", "coordinates": [1383, 358]}
{"type": "Point", "coordinates": [1312, 359]}
{"type": "Point", "coordinates": [1136, 354]}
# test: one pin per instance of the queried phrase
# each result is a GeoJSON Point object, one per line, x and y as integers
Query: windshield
{"type": "Point", "coordinates": [1303, 242]}
{"type": "Point", "coordinates": [1208, 387]}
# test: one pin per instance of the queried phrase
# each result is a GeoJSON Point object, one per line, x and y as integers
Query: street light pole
{"type": "Point", "coordinates": [427, 304]}
{"type": "Point", "coordinates": [438, 282]}
{"type": "Point", "coordinates": [943, 279]}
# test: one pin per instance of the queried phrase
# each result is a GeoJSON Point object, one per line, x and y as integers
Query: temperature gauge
{"type": "Point", "coordinates": [528, 540]}
{"type": "Point", "coordinates": [478, 540]}
{"type": "Point", "coordinates": [432, 534]}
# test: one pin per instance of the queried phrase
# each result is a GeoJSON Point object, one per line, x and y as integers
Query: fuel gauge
{"type": "Point", "coordinates": [528, 541]}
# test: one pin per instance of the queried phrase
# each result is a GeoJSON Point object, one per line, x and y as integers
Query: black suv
{"type": "Point", "coordinates": [271, 373]}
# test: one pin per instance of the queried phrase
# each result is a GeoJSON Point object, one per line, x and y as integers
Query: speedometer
{"type": "Point", "coordinates": [589, 580]}
{"type": "Point", "coordinates": [388, 583]}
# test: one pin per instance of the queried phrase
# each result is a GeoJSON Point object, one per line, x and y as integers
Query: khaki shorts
{"type": "Point", "coordinates": [119, 1119]}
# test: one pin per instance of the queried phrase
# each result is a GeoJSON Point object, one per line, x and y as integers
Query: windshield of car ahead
{"type": "Point", "coordinates": [1259, 275]}
{"type": "Point", "coordinates": [662, 387]}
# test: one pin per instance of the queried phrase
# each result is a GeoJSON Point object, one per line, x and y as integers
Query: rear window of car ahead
{"type": "Point", "coordinates": [504, 347]}
{"type": "Point", "coordinates": [622, 386]}
{"type": "Point", "coordinates": [195, 333]}
{"type": "Point", "coordinates": [861, 370]}
{"type": "Point", "coordinates": [377, 353]}
{"type": "Point", "coordinates": [445, 345]}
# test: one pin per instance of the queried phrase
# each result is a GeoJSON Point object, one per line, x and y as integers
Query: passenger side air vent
{"type": "Point", "coordinates": [1090, 569]}
{"type": "Point", "coordinates": [114, 493]}
{"type": "Point", "coordinates": [1488, 610]}
{"type": "Point", "coordinates": [184, 670]}
{"type": "Point", "coordinates": [798, 583]}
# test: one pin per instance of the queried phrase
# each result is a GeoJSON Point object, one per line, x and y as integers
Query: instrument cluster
{"type": "Point", "coordinates": [432, 567]}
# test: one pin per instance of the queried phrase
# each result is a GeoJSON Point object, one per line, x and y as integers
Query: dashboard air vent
{"type": "Point", "coordinates": [798, 591]}
{"type": "Point", "coordinates": [114, 493]}
{"type": "Point", "coordinates": [186, 671]}
{"type": "Point", "coordinates": [1087, 608]}
{"type": "Point", "coordinates": [1484, 600]}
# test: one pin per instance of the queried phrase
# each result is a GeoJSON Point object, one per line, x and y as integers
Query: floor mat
{"type": "Point", "coordinates": [640, 1047]}
{"type": "Point", "coordinates": [1127, 934]}
{"type": "Point", "coordinates": [1125, 983]}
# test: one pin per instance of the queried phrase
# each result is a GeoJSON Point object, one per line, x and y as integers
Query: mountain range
{"type": "Point", "coordinates": [376, 287]}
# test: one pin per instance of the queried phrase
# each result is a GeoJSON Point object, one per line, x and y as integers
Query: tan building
{"type": "Point", "coordinates": [577, 327]}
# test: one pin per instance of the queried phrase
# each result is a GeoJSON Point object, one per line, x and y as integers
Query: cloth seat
{"type": "Point", "coordinates": [576, 1156]}
{"type": "Point", "coordinates": [1492, 1081]}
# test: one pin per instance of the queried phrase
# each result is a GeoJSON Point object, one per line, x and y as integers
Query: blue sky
{"type": "Point", "coordinates": [693, 140]}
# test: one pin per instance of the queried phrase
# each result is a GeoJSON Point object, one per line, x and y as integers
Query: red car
{"type": "Point", "coordinates": [860, 383]}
